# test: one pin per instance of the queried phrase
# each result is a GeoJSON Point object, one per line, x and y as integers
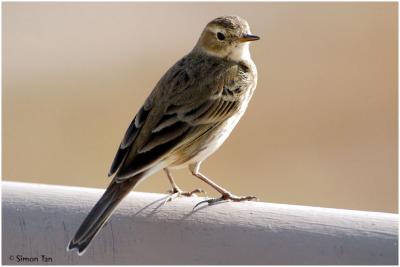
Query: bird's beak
{"type": "Point", "coordinates": [248, 38]}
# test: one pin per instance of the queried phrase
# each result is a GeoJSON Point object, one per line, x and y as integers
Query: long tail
{"type": "Point", "coordinates": [100, 214]}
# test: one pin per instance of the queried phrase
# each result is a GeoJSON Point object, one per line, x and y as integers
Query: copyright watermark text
{"type": "Point", "coordinates": [25, 259]}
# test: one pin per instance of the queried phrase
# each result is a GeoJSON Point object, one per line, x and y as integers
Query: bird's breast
{"type": "Point", "coordinates": [215, 138]}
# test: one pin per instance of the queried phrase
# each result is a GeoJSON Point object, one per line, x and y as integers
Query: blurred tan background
{"type": "Point", "coordinates": [321, 129]}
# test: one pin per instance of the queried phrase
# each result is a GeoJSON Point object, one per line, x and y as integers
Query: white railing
{"type": "Point", "coordinates": [39, 220]}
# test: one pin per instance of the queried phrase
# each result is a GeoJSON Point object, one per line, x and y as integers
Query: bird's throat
{"type": "Point", "coordinates": [240, 53]}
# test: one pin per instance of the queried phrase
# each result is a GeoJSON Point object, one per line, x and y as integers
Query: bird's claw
{"type": "Point", "coordinates": [177, 192]}
{"type": "Point", "coordinates": [236, 198]}
{"type": "Point", "coordinates": [224, 197]}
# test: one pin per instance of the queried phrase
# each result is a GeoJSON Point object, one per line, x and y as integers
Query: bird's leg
{"type": "Point", "coordinates": [176, 191]}
{"type": "Point", "coordinates": [226, 195]}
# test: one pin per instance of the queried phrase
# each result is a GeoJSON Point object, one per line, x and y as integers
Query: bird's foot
{"type": "Point", "coordinates": [177, 192]}
{"type": "Point", "coordinates": [192, 193]}
{"type": "Point", "coordinates": [226, 196]}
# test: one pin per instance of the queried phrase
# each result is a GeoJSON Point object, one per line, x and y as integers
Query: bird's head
{"type": "Point", "coordinates": [227, 37]}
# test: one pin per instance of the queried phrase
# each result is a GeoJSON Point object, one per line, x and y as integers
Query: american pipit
{"type": "Point", "coordinates": [188, 115]}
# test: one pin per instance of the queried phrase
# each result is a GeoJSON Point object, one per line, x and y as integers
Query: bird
{"type": "Point", "coordinates": [189, 114]}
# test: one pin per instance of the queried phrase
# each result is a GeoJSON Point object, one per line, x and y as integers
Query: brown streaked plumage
{"type": "Point", "coordinates": [188, 115]}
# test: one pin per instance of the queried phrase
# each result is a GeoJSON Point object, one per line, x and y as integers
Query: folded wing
{"type": "Point", "coordinates": [176, 116]}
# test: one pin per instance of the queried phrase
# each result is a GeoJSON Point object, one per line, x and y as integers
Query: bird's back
{"type": "Point", "coordinates": [196, 95]}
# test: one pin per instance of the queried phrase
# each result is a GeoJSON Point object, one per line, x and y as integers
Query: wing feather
{"type": "Point", "coordinates": [168, 134]}
{"type": "Point", "coordinates": [130, 135]}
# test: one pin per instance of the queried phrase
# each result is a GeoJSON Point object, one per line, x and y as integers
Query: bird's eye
{"type": "Point", "coordinates": [220, 36]}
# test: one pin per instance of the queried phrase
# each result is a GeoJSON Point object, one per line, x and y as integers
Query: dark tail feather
{"type": "Point", "coordinates": [100, 214]}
